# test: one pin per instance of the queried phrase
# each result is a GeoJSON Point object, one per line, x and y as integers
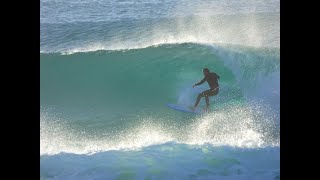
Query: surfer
{"type": "Point", "coordinates": [212, 79]}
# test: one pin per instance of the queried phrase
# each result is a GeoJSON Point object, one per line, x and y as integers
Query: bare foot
{"type": "Point", "coordinates": [207, 110]}
{"type": "Point", "coordinates": [192, 108]}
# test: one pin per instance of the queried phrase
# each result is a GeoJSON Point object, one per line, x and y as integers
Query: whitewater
{"type": "Point", "coordinates": [108, 69]}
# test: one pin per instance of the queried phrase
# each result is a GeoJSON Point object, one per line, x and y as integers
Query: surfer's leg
{"type": "Point", "coordinates": [198, 100]}
{"type": "Point", "coordinates": [208, 93]}
{"type": "Point", "coordinates": [207, 101]}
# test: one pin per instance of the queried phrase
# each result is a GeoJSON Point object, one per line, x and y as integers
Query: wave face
{"type": "Point", "coordinates": [108, 69]}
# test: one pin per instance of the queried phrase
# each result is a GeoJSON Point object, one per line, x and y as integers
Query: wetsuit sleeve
{"type": "Point", "coordinates": [200, 82]}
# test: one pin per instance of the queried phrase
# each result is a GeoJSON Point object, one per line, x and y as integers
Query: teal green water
{"type": "Point", "coordinates": [108, 86]}
{"type": "Point", "coordinates": [108, 99]}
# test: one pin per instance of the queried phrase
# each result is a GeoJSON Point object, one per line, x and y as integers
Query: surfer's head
{"type": "Point", "coordinates": [205, 71]}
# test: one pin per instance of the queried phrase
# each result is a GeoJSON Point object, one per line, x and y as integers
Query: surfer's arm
{"type": "Point", "coordinates": [200, 82]}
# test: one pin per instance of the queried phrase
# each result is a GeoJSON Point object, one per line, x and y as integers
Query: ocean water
{"type": "Point", "coordinates": [108, 69]}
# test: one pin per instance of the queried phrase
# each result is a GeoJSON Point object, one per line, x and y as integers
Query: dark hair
{"type": "Point", "coordinates": [205, 70]}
